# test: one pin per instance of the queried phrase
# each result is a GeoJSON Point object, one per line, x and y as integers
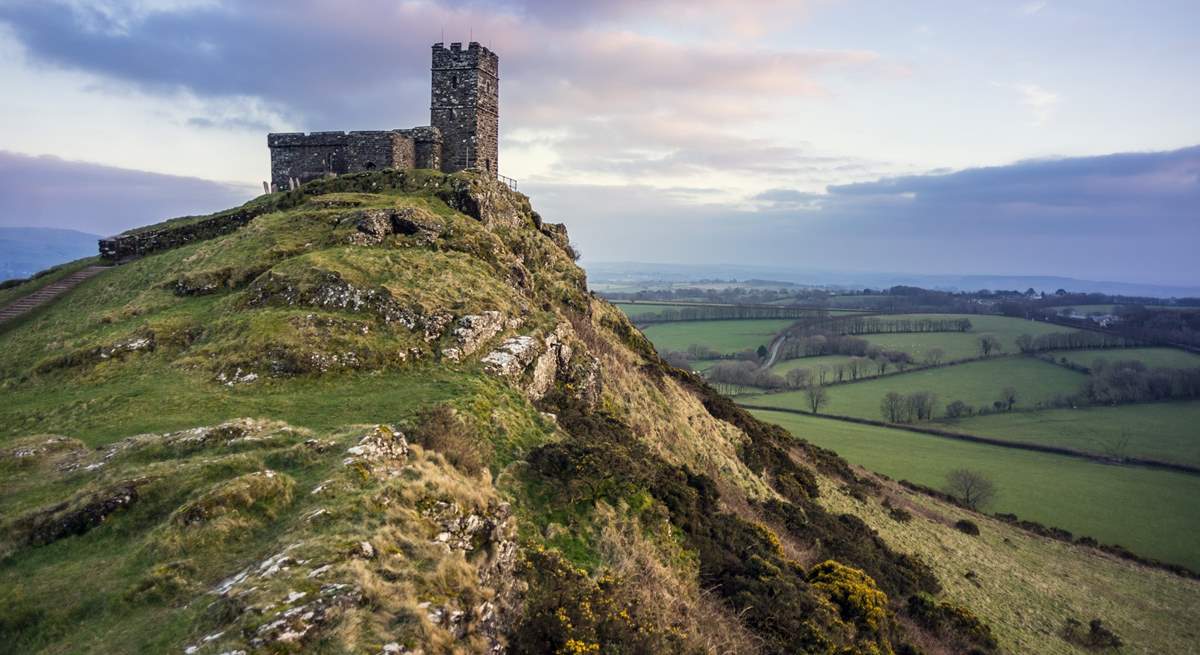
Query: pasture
{"type": "Point", "coordinates": [723, 336]}
{"type": "Point", "coordinates": [1167, 431]}
{"type": "Point", "coordinates": [975, 383]}
{"type": "Point", "coordinates": [1151, 512]}
{"type": "Point", "coordinates": [1151, 357]}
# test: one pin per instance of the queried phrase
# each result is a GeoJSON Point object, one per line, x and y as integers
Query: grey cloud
{"type": "Point", "coordinates": [1132, 217]}
{"type": "Point", "coordinates": [52, 192]}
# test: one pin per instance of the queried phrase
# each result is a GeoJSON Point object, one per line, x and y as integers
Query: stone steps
{"type": "Point", "coordinates": [48, 293]}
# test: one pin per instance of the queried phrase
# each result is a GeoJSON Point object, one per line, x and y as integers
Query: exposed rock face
{"type": "Point", "coordinates": [535, 364]}
{"type": "Point", "coordinates": [375, 224]}
{"type": "Point", "coordinates": [381, 452]}
{"type": "Point", "coordinates": [474, 330]}
{"type": "Point", "coordinates": [329, 291]}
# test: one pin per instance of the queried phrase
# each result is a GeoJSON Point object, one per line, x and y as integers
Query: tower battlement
{"type": "Point", "coordinates": [463, 134]}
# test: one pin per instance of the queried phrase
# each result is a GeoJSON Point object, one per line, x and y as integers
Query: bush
{"type": "Point", "coordinates": [958, 409]}
{"type": "Point", "coordinates": [440, 429]}
{"type": "Point", "coordinates": [952, 623]}
{"type": "Point", "coordinates": [966, 526]}
{"type": "Point", "coordinates": [898, 514]}
{"type": "Point", "coordinates": [1095, 638]}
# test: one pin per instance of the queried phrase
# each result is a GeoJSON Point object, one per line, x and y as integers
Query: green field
{"type": "Point", "coordinates": [975, 383]}
{"type": "Point", "coordinates": [722, 336]}
{"type": "Point", "coordinates": [1163, 431]}
{"type": "Point", "coordinates": [811, 363]}
{"type": "Point", "coordinates": [1152, 512]}
{"type": "Point", "coordinates": [1151, 357]}
{"type": "Point", "coordinates": [962, 345]}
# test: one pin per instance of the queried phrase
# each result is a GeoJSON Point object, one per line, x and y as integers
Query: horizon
{"type": "Point", "coordinates": [655, 131]}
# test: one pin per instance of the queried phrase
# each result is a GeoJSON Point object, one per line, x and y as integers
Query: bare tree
{"type": "Point", "coordinates": [934, 356]}
{"type": "Point", "coordinates": [989, 344]}
{"type": "Point", "coordinates": [892, 407]}
{"type": "Point", "coordinates": [839, 371]}
{"type": "Point", "coordinates": [1008, 397]}
{"type": "Point", "coordinates": [971, 488]}
{"type": "Point", "coordinates": [816, 396]}
{"type": "Point", "coordinates": [799, 378]}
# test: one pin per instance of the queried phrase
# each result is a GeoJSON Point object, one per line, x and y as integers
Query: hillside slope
{"type": "Point", "coordinates": [386, 416]}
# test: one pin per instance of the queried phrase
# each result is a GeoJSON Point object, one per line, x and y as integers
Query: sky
{"type": "Point", "coordinates": [1055, 137]}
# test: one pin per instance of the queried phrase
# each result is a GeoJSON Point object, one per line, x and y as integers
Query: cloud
{"type": "Point", "coordinates": [1040, 102]}
{"type": "Point", "coordinates": [581, 70]}
{"type": "Point", "coordinates": [1032, 8]}
{"type": "Point", "coordinates": [52, 192]}
{"type": "Point", "coordinates": [1128, 216]}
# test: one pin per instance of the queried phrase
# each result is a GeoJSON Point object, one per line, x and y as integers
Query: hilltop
{"type": "Point", "coordinates": [384, 414]}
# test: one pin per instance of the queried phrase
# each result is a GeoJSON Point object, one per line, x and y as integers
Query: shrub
{"type": "Point", "coordinates": [958, 409]}
{"type": "Point", "coordinates": [439, 428]}
{"type": "Point", "coordinates": [854, 592]}
{"type": "Point", "coordinates": [1095, 638]}
{"type": "Point", "coordinates": [898, 514]}
{"type": "Point", "coordinates": [966, 526]}
{"type": "Point", "coordinates": [957, 625]}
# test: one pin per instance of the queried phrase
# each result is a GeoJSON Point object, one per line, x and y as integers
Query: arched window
{"type": "Point", "coordinates": [454, 81]}
{"type": "Point", "coordinates": [370, 166]}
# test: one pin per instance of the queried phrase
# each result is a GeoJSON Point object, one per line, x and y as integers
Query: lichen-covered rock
{"type": "Point", "coordinates": [473, 331]}
{"type": "Point", "coordinates": [382, 451]}
{"type": "Point", "coordinates": [372, 226]}
{"type": "Point", "coordinates": [511, 358]}
{"type": "Point", "coordinates": [330, 292]}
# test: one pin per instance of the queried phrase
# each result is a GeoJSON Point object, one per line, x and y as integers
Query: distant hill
{"type": "Point", "coordinates": [27, 250]}
{"type": "Point", "coordinates": [643, 272]}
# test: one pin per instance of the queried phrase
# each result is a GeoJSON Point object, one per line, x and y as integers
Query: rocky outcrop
{"type": "Point", "coordinates": [77, 516]}
{"type": "Point", "coordinates": [373, 225]}
{"type": "Point", "coordinates": [536, 364]}
{"type": "Point", "coordinates": [330, 292]}
{"type": "Point", "coordinates": [474, 330]}
{"type": "Point", "coordinates": [487, 201]}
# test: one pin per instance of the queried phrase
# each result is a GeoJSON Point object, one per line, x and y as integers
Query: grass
{"type": "Point", "coordinates": [1162, 431]}
{"type": "Point", "coordinates": [1151, 512]}
{"type": "Point", "coordinates": [723, 336]}
{"type": "Point", "coordinates": [1025, 586]}
{"type": "Point", "coordinates": [975, 383]}
{"type": "Point", "coordinates": [811, 363]}
{"type": "Point", "coordinates": [1151, 357]}
{"type": "Point", "coordinates": [962, 345]}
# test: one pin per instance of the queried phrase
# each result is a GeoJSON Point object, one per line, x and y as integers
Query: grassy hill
{"type": "Point", "coordinates": [386, 415]}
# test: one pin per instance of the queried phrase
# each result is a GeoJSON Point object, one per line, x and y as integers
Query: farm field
{"type": "Point", "coordinates": [962, 345]}
{"type": "Point", "coordinates": [723, 336]}
{"type": "Point", "coordinates": [1151, 357]}
{"type": "Point", "coordinates": [633, 309]}
{"type": "Point", "coordinates": [811, 363]}
{"type": "Point", "coordinates": [1167, 431]}
{"type": "Point", "coordinates": [975, 383]}
{"type": "Point", "coordinates": [1152, 512]}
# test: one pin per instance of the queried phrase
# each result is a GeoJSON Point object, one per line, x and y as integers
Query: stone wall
{"type": "Point", "coordinates": [143, 242]}
{"type": "Point", "coordinates": [312, 156]}
{"type": "Point", "coordinates": [465, 106]}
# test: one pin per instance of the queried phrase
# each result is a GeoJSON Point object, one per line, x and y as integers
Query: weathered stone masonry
{"type": "Point", "coordinates": [464, 130]}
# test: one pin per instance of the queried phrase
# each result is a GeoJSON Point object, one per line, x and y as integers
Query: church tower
{"type": "Point", "coordinates": [465, 106]}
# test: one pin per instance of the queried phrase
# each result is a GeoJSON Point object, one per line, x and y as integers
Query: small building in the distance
{"type": "Point", "coordinates": [464, 113]}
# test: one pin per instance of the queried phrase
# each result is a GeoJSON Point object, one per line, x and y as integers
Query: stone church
{"type": "Point", "coordinates": [464, 116]}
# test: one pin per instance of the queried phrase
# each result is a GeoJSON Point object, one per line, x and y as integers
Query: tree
{"type": "Point", "coordinates": [934, 356]}
{"type": "Point", "coordinates": [1008, 397]}
{"type": "Point", "coordinates": [892, 407]}
{"type": "Point", "coordinates": [988, 344]}
{"type": "Point", "coordinates": [799, 378]}
{"type": "Point", "coordinates": [971, 488]}
{"type": "Point", "coordinates": [958, 409]}
{"type": "Point", "coordinates": [816, 396]}
{"type": "Point", "coordinates": [1025, 343]}
{"type": "Point", "coordinates": [762, 352]}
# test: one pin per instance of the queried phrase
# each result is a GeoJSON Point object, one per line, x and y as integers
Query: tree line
{"type": "Point", "coordinates": [725, 312]}
{"type": "Point", "coordinates": [854, 325]}
{"type": "Point", "coordinates": [1078, 340]}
